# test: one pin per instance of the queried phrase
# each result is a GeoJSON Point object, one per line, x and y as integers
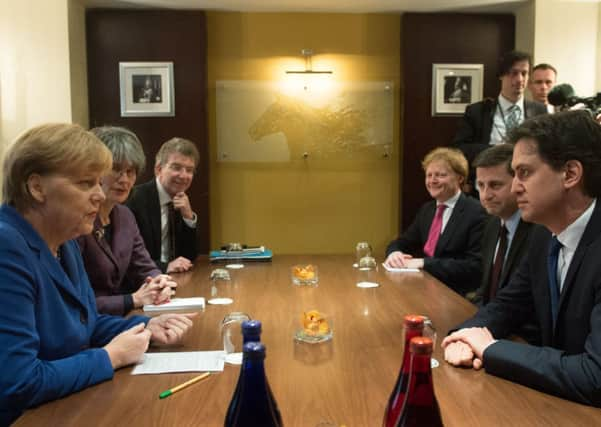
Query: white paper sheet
{"type": "Point", "coordinates": [401, 270]}
{"type": "Point", "coordinates": [195, 303]}
{"type": "Point", "coordinates": [184, 361]}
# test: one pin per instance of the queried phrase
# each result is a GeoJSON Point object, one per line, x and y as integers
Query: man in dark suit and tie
{"type": "Point", "coordinates": [557, 164]}
{"type": "Point", "coordinates": [505, 236]}
{"type": "Point", "coordinates": [487, 122]}
{"type": "Point", "coordinates": [444, 239]}
{"type": "Point", "coordinates": [162, 208]}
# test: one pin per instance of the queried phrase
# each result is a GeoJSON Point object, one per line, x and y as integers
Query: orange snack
{"type": "Point", "coordinates": [314, 324]}
{"type": "Point", "coordinates": [304, 273]}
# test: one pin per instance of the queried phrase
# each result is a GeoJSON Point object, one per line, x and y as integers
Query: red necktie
{"type": "Point", "coordinates": [435, 229]}
{"type": "Point", "coordinates": [497, 266]}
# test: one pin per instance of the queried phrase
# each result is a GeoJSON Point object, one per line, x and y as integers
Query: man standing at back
{"type": "Point", "coordinates": [543, 79]}
{"type": "Point", "coordinates": [557, 164]}
{"type": "Point", "coordinates": [487, 122]}
{"type": "Point", "coordinates": [162, 207]}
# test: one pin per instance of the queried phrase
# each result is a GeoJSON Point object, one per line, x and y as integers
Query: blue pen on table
{"type": "Point", "coordinates": [169, 392]}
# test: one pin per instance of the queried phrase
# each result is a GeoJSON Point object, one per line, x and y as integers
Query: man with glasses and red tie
{"type": "Point", "coordinates": [557, 164]}
{"type": "Point", "coordinates": [444, 239]}
{"type": "Point", "coordinates": [162, 207]}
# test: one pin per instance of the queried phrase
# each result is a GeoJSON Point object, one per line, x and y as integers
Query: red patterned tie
{"type": "Point", "coordinates": [435, 229]}
{"type": "Point", "coordinates": [497, 266]}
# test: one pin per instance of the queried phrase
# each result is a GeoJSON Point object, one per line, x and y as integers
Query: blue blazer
{"type": "Point", "coordinates": [457, 257]}
{"type": "Point", "coordinates": [568, 364]}
{"type": "Point", "coordinates": [50, 331]}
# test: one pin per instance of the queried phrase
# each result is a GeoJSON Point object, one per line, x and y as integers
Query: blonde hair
{"type": "Point", "coordinates": [48, 149]}
{"type": "Point", "coordinates": [451, 156]}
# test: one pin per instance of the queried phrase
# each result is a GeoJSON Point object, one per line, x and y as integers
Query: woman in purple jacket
{"type": "Point", "coordinates": [121, 271]}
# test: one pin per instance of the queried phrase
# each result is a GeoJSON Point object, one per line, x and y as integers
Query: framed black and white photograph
{"type": "Point", "coordinates": [454, 86]}
{"type": "Point", "coordinates": [146, 89]}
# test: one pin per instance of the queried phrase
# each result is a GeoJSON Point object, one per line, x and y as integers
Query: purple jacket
{"type": "Point", "coordinates": [118, 270]}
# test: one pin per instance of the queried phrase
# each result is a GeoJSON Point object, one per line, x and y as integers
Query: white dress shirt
{"type": "Point", "coordinates": [499, 131]}
{"type": "Point", "coordinates": [569, 238]}
{"type": "Point", "coordinates": [164, 200]}
{"type": "Point", "coordinates": [450, 205]}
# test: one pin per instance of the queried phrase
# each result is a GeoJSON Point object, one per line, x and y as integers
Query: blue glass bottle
{"type": "Point", "coordinates": [251, 331]}
{"type": "Point", "coordinates": [252, 404]}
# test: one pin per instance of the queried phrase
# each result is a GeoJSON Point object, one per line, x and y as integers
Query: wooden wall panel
{"type": "Point", "coordinates": [440, 38]}
{"type": "Point", "coordinates": [120, 35]}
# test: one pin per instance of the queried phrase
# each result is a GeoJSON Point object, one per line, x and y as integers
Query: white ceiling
{"type": "Point", "coordinates": [340, 6]}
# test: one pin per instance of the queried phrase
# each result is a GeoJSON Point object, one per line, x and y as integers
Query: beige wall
{"type": "Point", "coordinates": [566, 36]}
{"type": "Point", "coordinates": [34, 65]}
{"type": "Point", "coordinates": [314, 206]}
{"type": "Point", "coordinates": [524, 23]}
{"type": "Point", "coordinates": [35, 83]}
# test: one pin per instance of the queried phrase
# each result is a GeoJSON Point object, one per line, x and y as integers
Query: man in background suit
{"type": "Point", "coordinates": [487, 122]}
{"type": "Point", "coordinates": [543, 79]}
{"type": "Point", "coordinates": [162, 208]}
{"type": "Point", "coordinates": [557, 164]}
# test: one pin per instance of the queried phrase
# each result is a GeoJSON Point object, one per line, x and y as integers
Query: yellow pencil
{"type": "Point", "coordinates": [169, 392]}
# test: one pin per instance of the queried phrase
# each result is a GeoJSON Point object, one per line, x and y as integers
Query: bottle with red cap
{"type": "Point", "coordinates": [413, 326]}
{"type": "Point", "coordinates": [420, 407]}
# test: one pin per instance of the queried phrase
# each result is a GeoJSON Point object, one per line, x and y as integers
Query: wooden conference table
{"type": "Point", "coordinates": [344, 381]}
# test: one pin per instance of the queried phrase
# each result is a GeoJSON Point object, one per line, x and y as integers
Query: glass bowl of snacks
{"type": "Point", "coordinates": [315, 327]}
{"type": "Point", "coordinates": [304, 275]}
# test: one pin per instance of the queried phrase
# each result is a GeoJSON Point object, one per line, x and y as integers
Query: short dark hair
{"type": "Point", "coordinates": [182, 146]}
{"type": "Point", "coordinates": [508, 59]}
{"type": "Point", "coordinates": [544, 66]}
{"type": "Point", "coordinates": [569, 135]}
{"type": "Point", "coordinates": [496, 155]}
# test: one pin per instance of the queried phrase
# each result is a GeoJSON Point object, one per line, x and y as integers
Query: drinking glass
{"type": "Point", "coordinates": [231, 335]}
{"type": "Point", "coordinates": [220, 292]}
{"type": "Point", "coordinates": [363, 249]}
{"type": "Point", "coordinates": [430, 332]}
{"type": "Point", "coordinates": [367, 271]}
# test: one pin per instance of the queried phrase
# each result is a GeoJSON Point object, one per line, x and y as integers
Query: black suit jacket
{"type": "Point", "coordinates": [457, 259]}
{"type": "Point", "coordinates": [568, 364]}
{"type": "Point", "coordinates": [517, 251]}
{"type": "Point", "coordinates": [144, 203]}
{"type": "Point", "coordinates": [474, 131]}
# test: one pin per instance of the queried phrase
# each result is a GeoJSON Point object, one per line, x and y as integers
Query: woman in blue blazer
{"type": "Point", "coordinates": [54, 342]}
{"type": "Point", "coordinates": [120, 269]}
{"type": "Point", "coordinates": [444, 239]}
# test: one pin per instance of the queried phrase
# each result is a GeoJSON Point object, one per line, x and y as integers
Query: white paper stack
{"type": "Point", "coordinates": [185, 361]}
{"type": "Point", "coordinates": [195, 303]}
{"type": "Point", "coordinates": [400, 270]}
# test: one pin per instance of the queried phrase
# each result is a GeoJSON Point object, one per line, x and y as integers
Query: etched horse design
{"type": "Point", "coordinates": [323, 131]}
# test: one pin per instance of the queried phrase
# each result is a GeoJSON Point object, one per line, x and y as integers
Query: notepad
{"type": "Point", "coordinates": [195, 303]}
{"type": "Point", "coordinates": [181, 361]}
{"type": "Point", "coordinates": [401, 270]}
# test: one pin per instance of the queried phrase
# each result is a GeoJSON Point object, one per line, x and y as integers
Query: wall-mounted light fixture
{"type": "Point", "coordinates": [307, 54]}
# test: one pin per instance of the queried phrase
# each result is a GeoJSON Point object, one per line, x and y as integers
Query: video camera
{"type": "Point", "coordinates": [563, 97]}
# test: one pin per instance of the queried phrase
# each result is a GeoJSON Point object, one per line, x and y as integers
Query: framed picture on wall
{"type": "Point", "coordinates": [454, 86]}
{"type": "Point", "coordinates": [146, 89]}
